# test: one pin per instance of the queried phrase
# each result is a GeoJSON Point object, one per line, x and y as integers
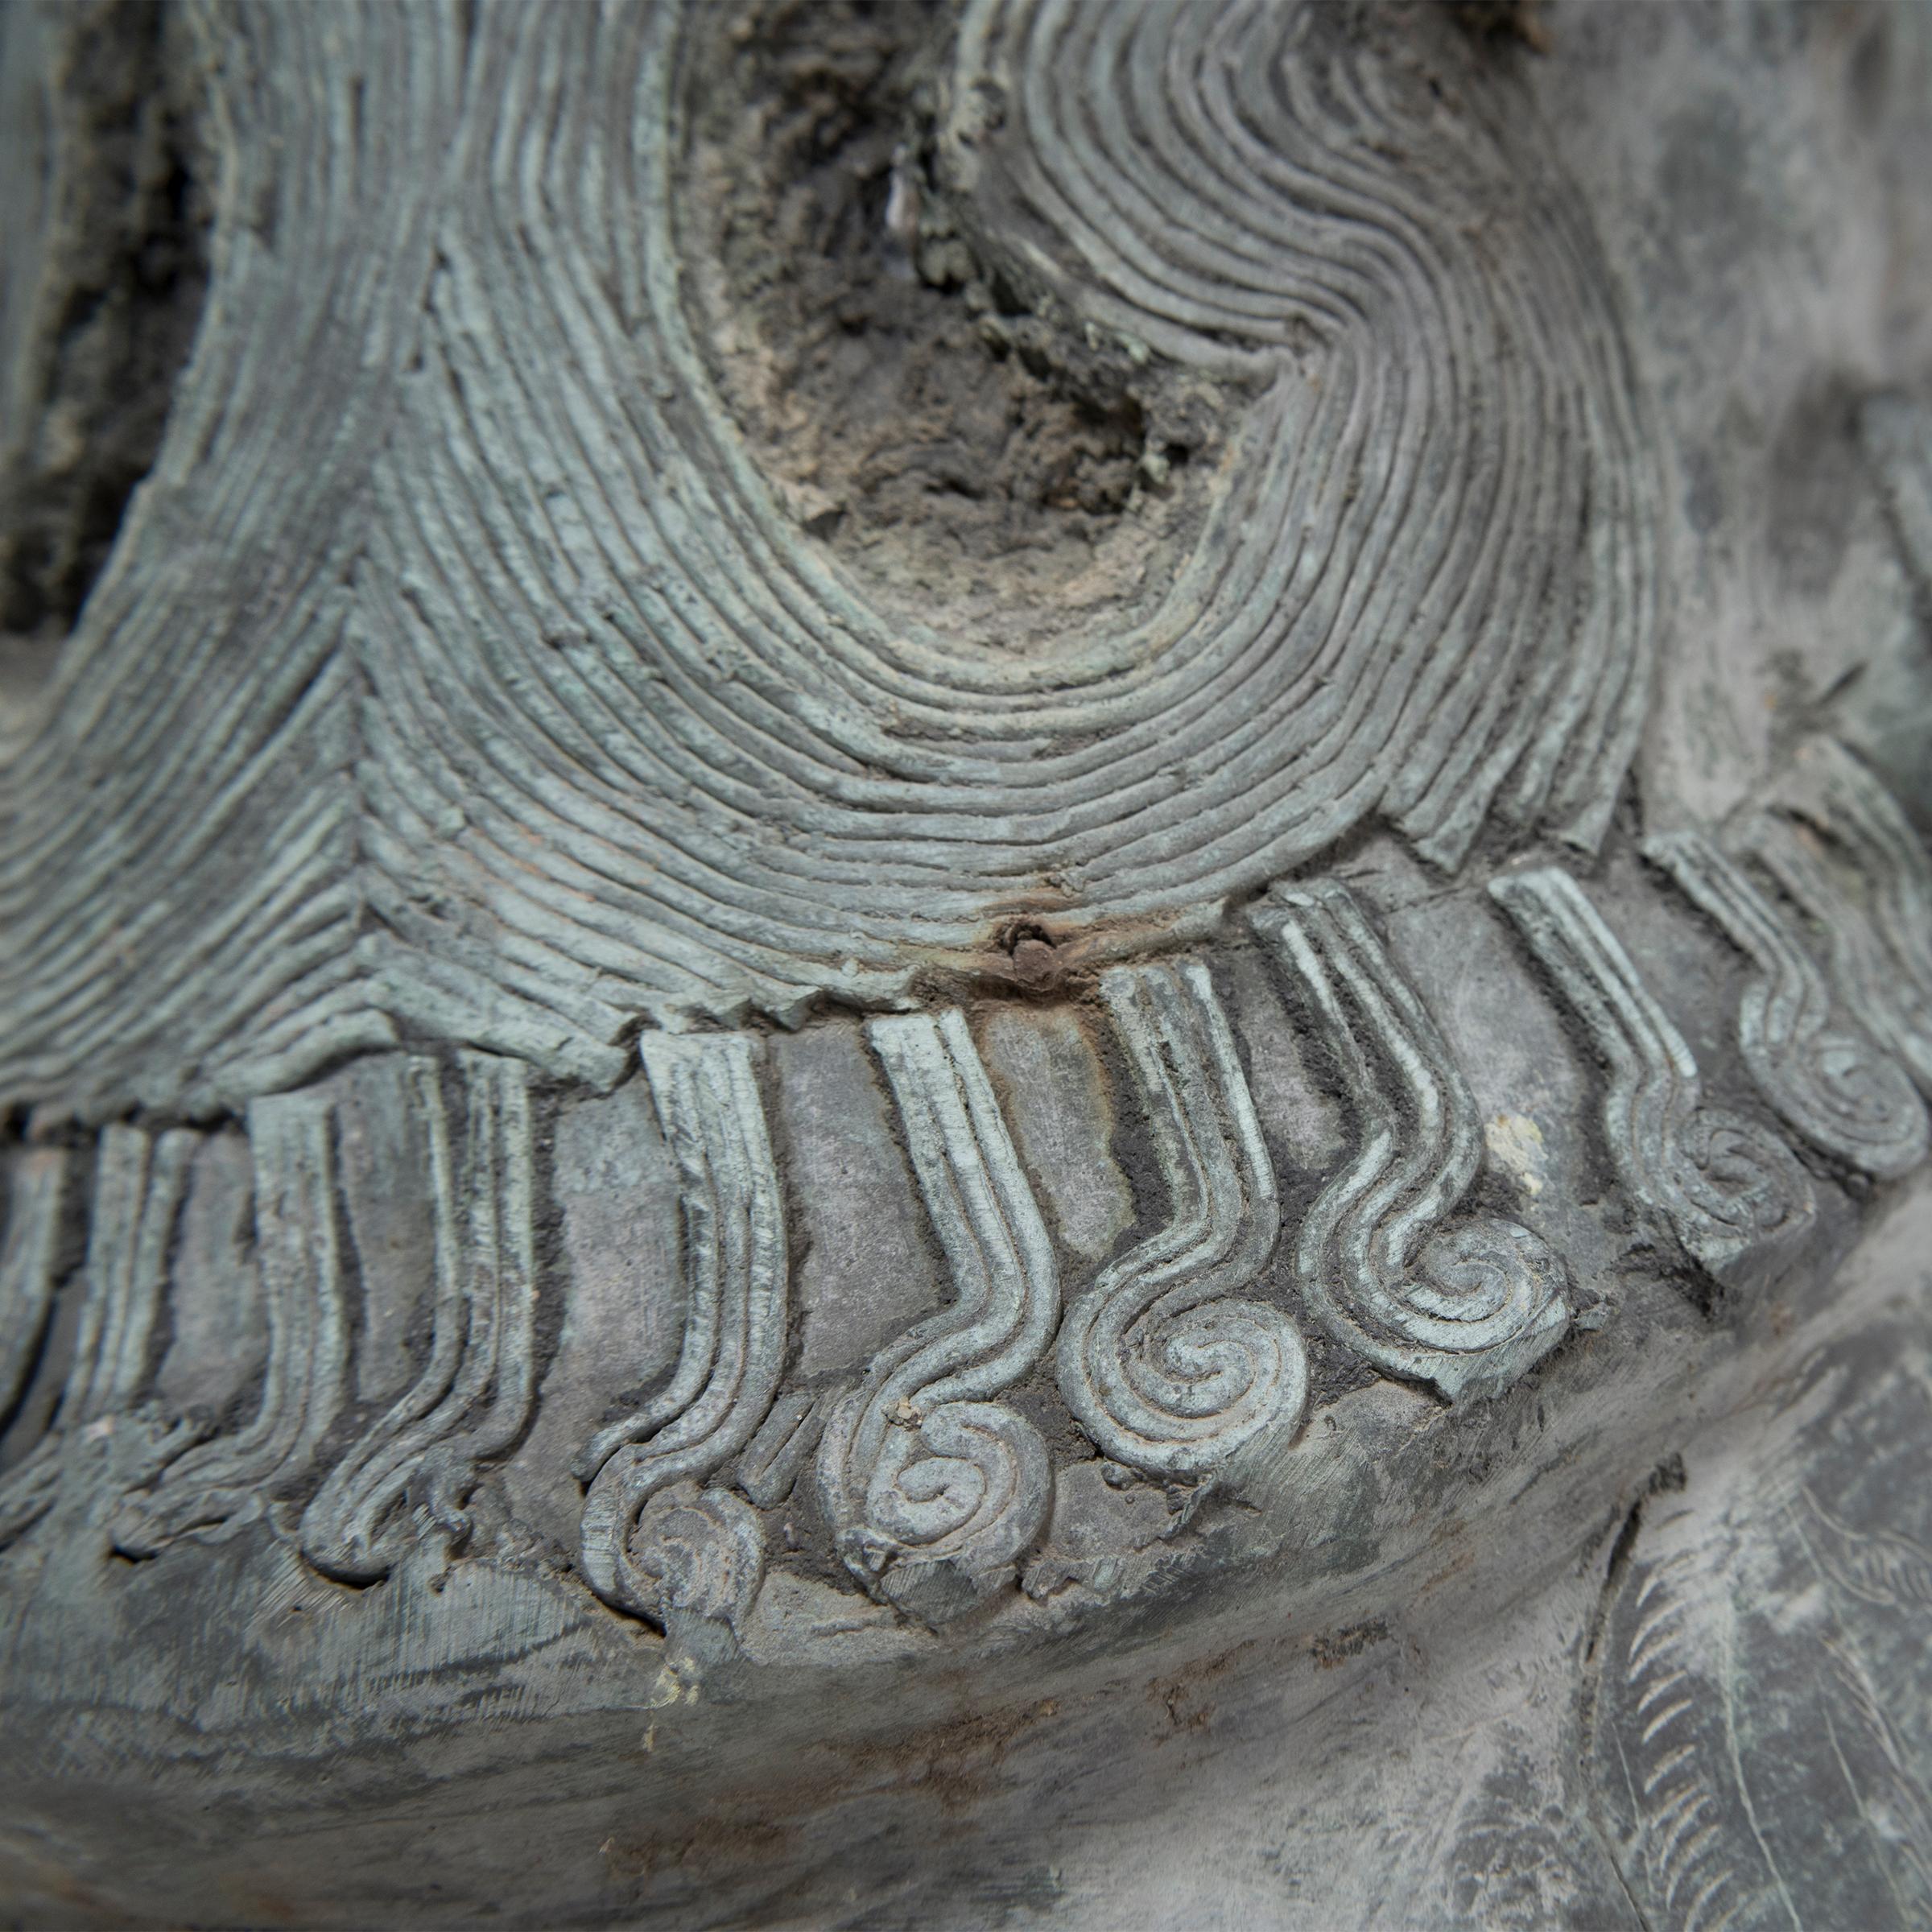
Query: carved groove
{"type": "Point", "coordinates": [1862, 971]}
{"type": "Point", "coordinates": [1165, 1370]}
{"type": "Point", "coordinates": [1825, 1077]}
{"type": "Point", "coordinates": [550, 717]}
{"type": "Point", "coordinates": [1727, 1188]}
{"type": "Point", "coordinates": [473, 1398]}
{"type": "Point", "coordinates": [775, 1458]}
{"type": "Point", "coordinates": [934, 1489]}
{"type": "Point", "coordinates": [637, 1539]}
{"type": "Point", "coordinates": [1881, 952]}
{"type": "Point", "coordinates": [215, 1487]}
{"type": "Point", "coordinates": [139, 1179]}
{"type": "Point", "coordinates": [37, 1184]}
{"type": "Point", "coordinates": [178, 918]}
{"type": "Point", "coordinates": [1467, 1304]}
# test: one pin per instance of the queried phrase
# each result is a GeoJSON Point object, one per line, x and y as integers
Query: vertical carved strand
{"type": "Point", "coordinates": [1824, 1076]}
{"type": "Point", "coordinates": [36, 1197]}
{"type": "Point", "coordinates": [1840, 795]}
{"type": "Point", "coordinates": [652, 1540]}
{"type": "Point", "coordinates": [473, 1396]}
{"type": "Point", "coordinates": [138, 1189]}
{"type": "Point", "coordinates": [139, 1179]}
{"type": "Point", "coordinates": [934, 1489]}
{"type": "Point", "coordinates": [777, 1455]}
{"type": "Point", "coordinates": [1831, 789]}
{"type": "Point", "coordinates": [1863, 974]}
{"type": "Point", "coordinates": [1165, 1370]}
{"type": "Point", "coordinates": [215, 1487]}
{"type": "Point", "coordinates": [1468, 1304]}
{"type": "Point", "coordinates": [1729, 1190]}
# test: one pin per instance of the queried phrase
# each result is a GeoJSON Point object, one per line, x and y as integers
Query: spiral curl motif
{"type": "Point", "coordinates": [212, 1488]}
{"type": "Point", "coordinates": [1163, 1368]}
{"type": "Point", "coordinates": [934, 1489]}
{"type": "Point", "coordinates": [1880, 940]}
{"type": "Point", "coordinates": [139, 1181]}
{"type": "Point", "coordinates": [1467, 1304]}
{"type": "Point", "coordinates": [695, 1552]}
{"type": "Point", "coordinates": [1730, 1174]}
{"type": "Point", "coordinates": [737, 1266]}
{"type": "Point", "coordinates": [1823, 1075]}
{"type": "Point", "coordinates": [1730, 1192]}
{"type": "Point", "coordinates": [474, 1394]}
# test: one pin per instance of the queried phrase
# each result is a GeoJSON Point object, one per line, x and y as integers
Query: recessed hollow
{"type": "Point", "coordinates": [976, 461]}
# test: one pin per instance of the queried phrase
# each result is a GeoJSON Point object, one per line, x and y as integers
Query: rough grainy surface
{"type": "Point", "coordinates": [969, 963]}
{"type": "Point", "coordinates": [958, 449]}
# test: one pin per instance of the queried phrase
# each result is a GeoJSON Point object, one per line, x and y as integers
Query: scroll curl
{"type": "Point", "coordinates": [1729, 1190]}
{"type": "Point", "coordinates": [1165, 1368]}
{"type": "Point", "coordinates": [645, 1558]}
{"type": "Point", "coordinates": [418, 1459]}
{"type": "Point", "coordinates": [934, 1489]}
{"type": "Point", "coordinates": [1824, 1074]}
{"type": "Point", "coordinates": [139, 1181]}
{"type": "Point", "coordinates": [1880, 943]}
{"type": "Point", "coordinates": [214, 1486]}
{"type": "Point", "coordinates": [1468, 1304]}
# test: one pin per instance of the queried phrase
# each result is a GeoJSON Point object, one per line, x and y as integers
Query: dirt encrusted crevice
{"type": "Point", "coordinates": [123, 277]}
{"type": "Point", "coordinates": [988, 468]}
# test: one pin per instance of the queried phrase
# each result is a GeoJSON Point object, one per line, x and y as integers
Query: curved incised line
{"type": "Point", "coordinates": [139, 1181]}
{"type": "Point", "coordinates": [1863, 972]}
{"type": "Point", "coordinates": [473, 1396]}
{"type": "Point", "coordinates": [178, 920]}
{"type": "Point", "coordinates": [1831, 789]}
{"type": "Point", "coordinates": [1465, 1303]}
{"type": "Point", "coordinates": [631, 744]}
{"type": "Point", "coordinates": [1825, 1075]}
{"type": "Point", "coordinates": [1839, 795]}
{"type": "Point", "coordinates": [934, 1489]}
{"type": "Point", "coordinates": [214, 1487]}
{"type": "Point", "coordinates": [1727, 1188]}
{"type": "Point", "coordinates": [705, 1089]}
{"type": "Point", "coordinates": [1165, 1370]}
{"type": "Point", "coordinates": [778, 1454]}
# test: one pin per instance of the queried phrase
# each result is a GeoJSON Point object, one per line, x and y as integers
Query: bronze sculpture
{"type": "Point", "coordinates": [791, 1148]}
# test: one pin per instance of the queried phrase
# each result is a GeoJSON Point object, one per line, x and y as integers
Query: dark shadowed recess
{"type": "Point", "coordinates": [916, 409]}
{"type": "Point", "coordinates": [122, 273]}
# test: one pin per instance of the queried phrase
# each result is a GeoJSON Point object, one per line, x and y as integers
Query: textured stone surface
{"type": "Point", "coordinates": [1077, 1071]}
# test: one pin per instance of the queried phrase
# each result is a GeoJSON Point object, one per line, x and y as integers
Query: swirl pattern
{"type": "Point", "coordinates": [1166, 1370]}
{"type": "Point", "coordinates": [698, 1556]}
{"type": "Point", "coordinates": [936, 1490]}
{"type": "Point", "coordinates": [1830, 790]}
{"type": "Point", "coordinates": [548, 716]}
{"type": "Point", "coordinates": [1468, 1305]}
{"type": "Point", "coordinates": [1864, 971]}
{"type": "Point", "coordinates": [1822, 1075]}
{"type": "Point", "coordinates": [736, 1272]}
{"type": "Point", "coordinates": [1732, 1192]}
